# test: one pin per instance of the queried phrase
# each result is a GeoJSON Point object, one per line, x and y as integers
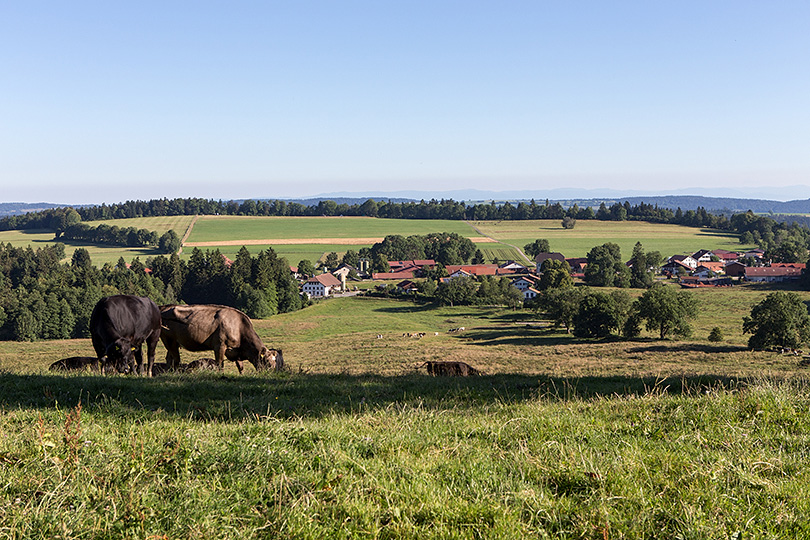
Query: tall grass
{"type": "Point", "coordinates": [414, 458]}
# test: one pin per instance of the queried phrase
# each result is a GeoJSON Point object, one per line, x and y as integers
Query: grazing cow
{"type": "Point", "coordinates": [119, 325]}
{"type": "Point", "coordinates": [450, 369]}
{"type": "Point", "coordinates": [222, 329]}
{"type": "Point", "coordinates": [76, 363]}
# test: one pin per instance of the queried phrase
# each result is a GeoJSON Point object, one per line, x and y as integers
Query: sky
{"type": "Point", "coordinates": [110, 101]}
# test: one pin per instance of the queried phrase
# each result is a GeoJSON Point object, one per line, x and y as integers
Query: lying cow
{"type": "Point", "coordinates": [450, 369]}
{"type": "Point", "coordinates": [76, 363]}
{"type": "Point", "coordinates": [208, 327]}
{"type": "Point", "coordinates": [119, 325]}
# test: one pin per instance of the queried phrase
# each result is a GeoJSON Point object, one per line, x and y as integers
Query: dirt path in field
{"type": "Point", "coordinates": [188, 232]}
{"type": "Point", "coordinates": [490, 239]}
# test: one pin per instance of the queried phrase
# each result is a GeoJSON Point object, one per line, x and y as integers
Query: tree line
{"type": "Point", "coordinates": [44, 298]}
{"type": "Point", "coordinates": [764, 231]}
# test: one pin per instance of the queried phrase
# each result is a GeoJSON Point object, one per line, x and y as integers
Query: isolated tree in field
{"type": "Point", "coordinates": [780, 320]}
{"type": "Point", "coordinates": [555, 275]}
{"type": "Point", "coordinates": [538, 246]}
{"type": "Point", "coordinates": [716, 335]}
{"type": "Point", "coordinates": [640, 276]}
{"type": "Point", "coordinates": [667, 310]}
{"type": "Point", "coordinates": [568, 222]}
{"type": "Point", "coordinates": [600, 314]}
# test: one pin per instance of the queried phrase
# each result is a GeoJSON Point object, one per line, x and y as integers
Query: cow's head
{"type": "Point", "coordinates": [269, 359]}
{"type": "Point", "coordinates": [119, 356]}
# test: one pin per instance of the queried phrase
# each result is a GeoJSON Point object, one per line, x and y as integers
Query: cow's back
{"type": "Point", "coordinates": [124, 316]}
{"type": "Point", "coordinates": [201, 327]}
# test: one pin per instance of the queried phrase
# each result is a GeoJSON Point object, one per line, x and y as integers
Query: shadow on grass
{"type": "Point", "coordinates": [687, 348]}
{"type": "Point", "coordinates": [213, 397]}
{"type": "Point", "coordinates": [524, 335]}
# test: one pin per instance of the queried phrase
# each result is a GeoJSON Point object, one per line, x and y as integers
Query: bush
{"type": "Point", "coordinates": [716, 335]}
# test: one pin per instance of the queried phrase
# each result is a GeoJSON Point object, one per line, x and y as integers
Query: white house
{"type": "Point", "coordinates": [321, 285]}
{"type": "Point", "coordinates": [530, 293]}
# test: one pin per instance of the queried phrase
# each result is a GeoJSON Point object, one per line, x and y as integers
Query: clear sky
{"type": "Point", "coordinates": [107, 101]}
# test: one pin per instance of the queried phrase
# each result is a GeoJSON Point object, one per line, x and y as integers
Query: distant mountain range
{"type": "Point", "coordinates": [566, 197]}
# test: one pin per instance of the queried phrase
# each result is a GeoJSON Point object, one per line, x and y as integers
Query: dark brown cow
{"type": "Point", "coordinates": [76, 363]}
{"type": "Point", "coordinates": [119, 325]}
{"type": "Point", "coordinates": [222, 329]}
{"type": "Point", "coordinates": [450, 368]}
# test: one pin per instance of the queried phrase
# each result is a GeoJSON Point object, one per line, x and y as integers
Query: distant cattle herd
{"type": "Point", "coordinates": [121, 324]}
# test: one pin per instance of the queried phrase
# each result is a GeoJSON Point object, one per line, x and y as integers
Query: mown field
{"type": "Point", "coordinates": [576, 242]}
{"type": "Point", "coordinates": [561, 438]}
{"type": "Point", "coordinates": [311, 238]}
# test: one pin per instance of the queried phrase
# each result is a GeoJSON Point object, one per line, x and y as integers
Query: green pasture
{"type": "Point", "coordinates": [560, 438]}
{"type": "Point", "coordinates": [576, 242]}
{"type": "Point", "coordinates": [234, 228]}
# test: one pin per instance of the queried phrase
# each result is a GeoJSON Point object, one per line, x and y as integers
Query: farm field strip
{"type": "Point", "coordinates": [227, 228]}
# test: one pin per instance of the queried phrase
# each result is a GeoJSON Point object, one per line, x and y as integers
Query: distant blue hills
{"type": "Point", "coordinates": [567, 198]}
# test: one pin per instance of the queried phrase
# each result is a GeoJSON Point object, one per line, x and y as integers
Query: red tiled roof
{"type": "Point", "coordinates": [404, 274]}
{"type": "Point", "coordinates": [476, 269]}
{"type": "Point", "coordinates": [327, 280]}
{"type": "Point", "coordinates": [772, 271]}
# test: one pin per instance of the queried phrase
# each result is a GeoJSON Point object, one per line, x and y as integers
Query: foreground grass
{"type": "Point", "coordinates": [342, 456]}
{"type": "Point", "coordinates": [563, 438]}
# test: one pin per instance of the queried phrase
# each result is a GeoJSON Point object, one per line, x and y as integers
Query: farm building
{"type": "Point", "coordinates": [321, 285]}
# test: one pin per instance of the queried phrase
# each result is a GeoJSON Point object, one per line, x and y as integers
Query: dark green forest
{"type": "Point", "coordinates": [44, 298]}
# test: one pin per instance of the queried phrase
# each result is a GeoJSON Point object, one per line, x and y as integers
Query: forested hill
{"type": "Point", "coordinates": [720, 205]}
{"type": "Point", "coordinates": [19, 208]}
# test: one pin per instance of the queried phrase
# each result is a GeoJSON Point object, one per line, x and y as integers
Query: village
{"type": "Point", "coordinates": [704, 268]}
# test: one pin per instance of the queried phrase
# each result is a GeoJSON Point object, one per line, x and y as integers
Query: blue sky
{"type": "Point", "coordinates": [108, 101]}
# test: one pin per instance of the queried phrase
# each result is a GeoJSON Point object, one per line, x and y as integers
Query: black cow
{"type": "Point", "coordinates": [118, 327]}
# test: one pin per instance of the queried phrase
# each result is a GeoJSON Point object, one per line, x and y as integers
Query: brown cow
{"type": "Point", "coordinates": [222, 329]}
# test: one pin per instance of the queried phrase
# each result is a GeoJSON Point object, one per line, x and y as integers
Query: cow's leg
{"type": "Point", "coordinates": [220, 356]}
{"type": "Point", "coordinates": [138, 354]}
{"type": "Point", "coordinates": [151, 348]}
{"type": "Point", "coordinates": [172, 353]}
{"type": "Point", "coordinates": [239, 366]}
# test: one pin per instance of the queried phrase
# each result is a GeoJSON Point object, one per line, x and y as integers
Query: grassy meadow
{"type": "Point", "coordinates": [560, 438]}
